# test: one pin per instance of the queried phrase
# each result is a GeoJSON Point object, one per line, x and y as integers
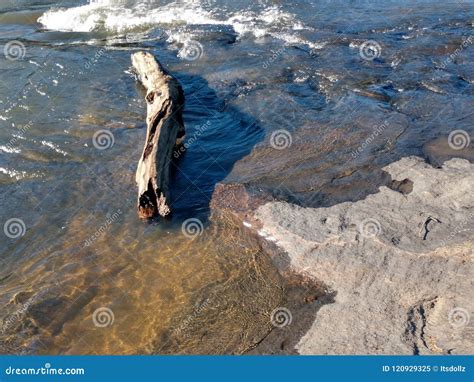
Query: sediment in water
{"type": "Point", "coordinates": [254, 308]}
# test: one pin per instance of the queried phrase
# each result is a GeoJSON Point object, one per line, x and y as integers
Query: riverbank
{"type": "Point", "coordinates": [399, 262]}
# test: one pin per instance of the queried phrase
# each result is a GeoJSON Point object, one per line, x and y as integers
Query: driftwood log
{"type": "Point", "coordinates": [165, 129]}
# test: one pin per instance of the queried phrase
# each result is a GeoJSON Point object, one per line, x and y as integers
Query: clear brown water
{"type": "Point", "coordinates": [83, 246]}
{"type": "Point", "coordinates": [166, 295]}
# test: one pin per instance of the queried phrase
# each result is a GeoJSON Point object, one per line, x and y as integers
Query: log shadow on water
{"type": "Point", "coordinates": [217, 136]}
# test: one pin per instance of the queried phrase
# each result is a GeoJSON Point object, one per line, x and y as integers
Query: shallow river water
{"type": "Point", "coordinates": [303, 100]}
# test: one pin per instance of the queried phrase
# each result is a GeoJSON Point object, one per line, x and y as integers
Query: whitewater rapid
{"type": "Point", "coordinates": [128, 16]}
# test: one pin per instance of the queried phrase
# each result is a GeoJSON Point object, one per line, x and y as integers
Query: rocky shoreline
{"type": "Point", "coordinates": [398, 263]}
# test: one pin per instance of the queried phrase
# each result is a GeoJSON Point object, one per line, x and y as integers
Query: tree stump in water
{"type": "Point", "coordinates": [165, 129]}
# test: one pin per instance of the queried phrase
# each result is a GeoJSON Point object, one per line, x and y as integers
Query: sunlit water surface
{"type": "Point", "coordinates": [257, 67]}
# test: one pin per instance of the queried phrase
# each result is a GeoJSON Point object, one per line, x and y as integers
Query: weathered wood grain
{"type": "Point", "coordinates": [165, 127]}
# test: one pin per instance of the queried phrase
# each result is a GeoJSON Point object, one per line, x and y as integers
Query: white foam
{"type": "Point", "coordinates": [54, 147]}
{"type": "Point", "coordinates": [18, 175]}
{"type": "Point", "coordinates": [9, 149]}
{"type": "Point", "coordinates": [113, 16]}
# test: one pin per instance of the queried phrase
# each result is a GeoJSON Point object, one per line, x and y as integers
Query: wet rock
{"type": "Point", "coordinates": [238, 200]}
{"type": "Point", "coordinates": [438, 151]}
{"type": "Point", "coordinates": [400, 264]}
